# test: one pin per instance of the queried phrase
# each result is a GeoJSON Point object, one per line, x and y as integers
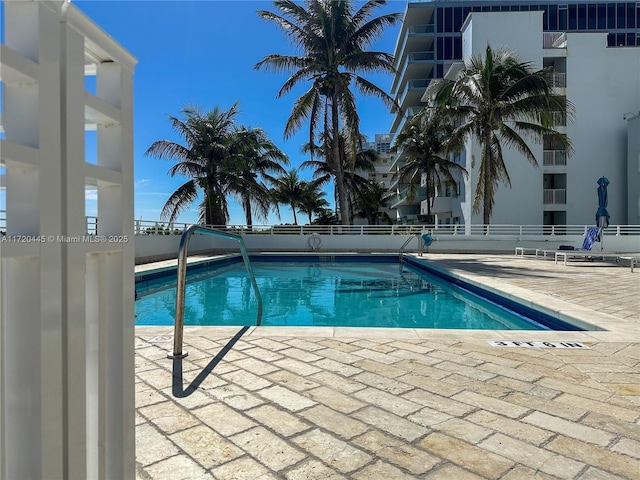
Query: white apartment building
{"type": "Point", "coordinates": [604, 86]}
{"type": "Point", "coordinates": [600, 78]}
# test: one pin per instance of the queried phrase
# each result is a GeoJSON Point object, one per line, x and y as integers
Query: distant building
{"type": "Point", "coordinates": [582, 41]}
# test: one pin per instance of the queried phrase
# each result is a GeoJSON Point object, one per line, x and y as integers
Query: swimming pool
{"type": "Point", "coordinates": [340, 290]}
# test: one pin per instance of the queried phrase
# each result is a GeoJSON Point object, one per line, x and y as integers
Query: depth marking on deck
{"type": "Point", "coordinates": [161, 339]}
{"type": "Point", "coordinates": [510, 343]}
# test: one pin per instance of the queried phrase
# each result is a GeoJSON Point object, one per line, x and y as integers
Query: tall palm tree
{"type": "Point", "coordinates": [311, 200]}
{"type": "Point", "coordinates": [254, 158]}
{"type": "Point", "coordinates": [202, 157]}
{"type": "Point", "coordinates": [333, 37]}
{"type": "Point", "coordinates": [288, 190]}
{"type": "Point", "coordinates": [501, 100]}
{"type": "Point", "coordinates": [425, 141]}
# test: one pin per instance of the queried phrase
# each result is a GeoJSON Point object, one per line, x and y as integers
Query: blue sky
{"type": "Point", "coordinates": [203, 53]}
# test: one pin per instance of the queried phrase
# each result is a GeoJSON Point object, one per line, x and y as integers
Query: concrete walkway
{"type": "Point", "coordinates": [338, 403]}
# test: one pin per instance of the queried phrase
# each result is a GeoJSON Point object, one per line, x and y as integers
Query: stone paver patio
{"type": "Point", "coordinates": [365, 404]}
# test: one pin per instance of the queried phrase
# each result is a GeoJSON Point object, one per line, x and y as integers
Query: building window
{"type": "Point", "coordinates": [602, 16]}
{"type": "Point", "coordinates": [631, 15]}
{"type": "Point", "coordinates": [562, 17]}
{"type": "Point", "coordinates": [592, 17]}
{"type": "Point", "coordinates": [573, 17]}
{"type": "Point", "coordinates": [611, 16]}
{"type": "Point", "coordinates": [582, 17]}
{"type": "Point", "coordinates": [552, 18]}
{"type": "Point", "coordinates": [448, 19]}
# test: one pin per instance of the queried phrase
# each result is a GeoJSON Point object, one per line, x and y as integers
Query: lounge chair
{"type": "Point", "coordinates": [592, 236]}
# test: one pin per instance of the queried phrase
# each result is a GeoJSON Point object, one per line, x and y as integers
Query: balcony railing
{"type": "Point", "coordinates": [559, 119]}
{"type": "Point", "coordinates": [556, 79]}
{"type": "Point", "coordinates": [554, 158]}
{"type": "Point", "coordinates": [554, 196]}
{"type": "Point", "coordinates": [421, 29]}
{"type": "Point", "coordinates": [420, 56]}
{"type": "Point", "coordinates": [554, 40]}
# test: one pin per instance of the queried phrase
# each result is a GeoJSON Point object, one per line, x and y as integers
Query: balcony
{"type": "Point", "coordinates": [556, 80]}
{"type": "Point", "coordinates": [420, 57]}
{"type": "Point", "coordinates": [413, 91]}
{"type": "Point", "coordinates": [554, 40]}
{"type": "Point", "coordinates": [440, 205]}
{"type": "Point", "coordinates": [403, 199]}
{"type": "Point", "coordinates": [421, 29]}
{"type": "Point", "coordinates": [554, 158]}
{"type": "Point", "coordinates": [554, 196]}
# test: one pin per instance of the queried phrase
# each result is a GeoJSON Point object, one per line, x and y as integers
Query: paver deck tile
{"type": "Point", "coordinates": [205, 446]}
{"type": "Point", "coordinates": [533, 457]}
{"type": "Point", "coordinates": [387, 401]}
{"type": "Point", "coordinates": [525, 387]}
{"type": "Point", "coordinates": [629, 414]}
{"type": "Point", "coordinates": [450, 471]}
{"type": "Point", "coordinates": [381, 471]}
{"type": "Point", "coordinates": [613, 425]}
{"type": "Point", "coordinates": [244, 468]}
{"type": "Point", "coordinates": [439, 403]}
{"type": "Point", "coordinates": [269, 449]}
{"type": "Point", "coordinates": [513, 428]}
{"type": "Point", "coordinates": [606, 460]}
{"type": "Point", "coordinates": [384, 369]}
{"type": "Point", "coordinates": [390, 423]}
{"type": "Point", "coordinates": [526, 473]}
{"type": "Point", "coordinates": [292, 381]}
{"type": "Point", "coordinates": [281, 422]}
{"type": "Point", "coordinates": [570, 429]}
{"type": "Point", "coordinates": [337, 367]}
{"type": "Point", "coordinates": [343, 426]}
{"type": "Point", "coordinates": [492, 387]}
{"type": "Point", "coordinates": [152, 446]}
{"type": "Point", "coordinates": [168, 417]}
{"type": "Point", "coordinates": [179, 467]}
{"type": "Point", "coordinates": [292, 401]}
{"type": "Point", "coordinates": [480, 461]}
{"type": "Point", "coordinates": [383, 383]}
{"type": "Point", "coordinates": [464, 430]}
{"type": "Point", "coordinates": [397, 452]}
{"type": "Point", "coordinates": [223, 419]}
{"type": "Point", "coordinates": [337, 382]}
{"type": "Point", "coordinates": [334, 399]}
{"type": "Point", "coordinates": [313, 470]}
{"type": "Point", "coordinates": [332, 451]}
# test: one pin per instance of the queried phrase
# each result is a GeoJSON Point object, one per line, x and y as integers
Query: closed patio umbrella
{"type": "Point", "coordinates": [602, 216]}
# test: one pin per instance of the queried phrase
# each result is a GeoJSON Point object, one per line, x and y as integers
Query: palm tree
{"type": "Point", "coordinates": [500, 100]}
{"type": "Point", "coordinates": [288, 190]}
{"type": "Point", "coordinates": [311, 200]}
{"type": "Point", "coordinates": [253, 158]}
{"type": "Point", "coordinates": [371, 200]}
{"type": "Point", "coordinates": [425, 141]}
{"type": "Point", "coordinates": [334, 38]}
{"type": "Point", "coordinates": [352, 163]}
{"type": "Point", "coordinates": [202, 157]}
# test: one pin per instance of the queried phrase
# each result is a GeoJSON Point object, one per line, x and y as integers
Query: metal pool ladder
{"type": "Point", "coordinates": [178, 328]}
{"type": "Point", "coordinates": [411, 237]}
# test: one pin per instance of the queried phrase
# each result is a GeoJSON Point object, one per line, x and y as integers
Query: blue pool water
{"type": "Point", "coordinates": [381, 293]}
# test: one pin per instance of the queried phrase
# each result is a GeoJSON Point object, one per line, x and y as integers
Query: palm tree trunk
{"type": "Point", "coordinates": [246, 204]}
{"type": "Point", "coordinates": [486, 198]}
{"type": "Point", "coordinates": [293, 209]}
{"type": "Point", "coordinates": [340, 186]}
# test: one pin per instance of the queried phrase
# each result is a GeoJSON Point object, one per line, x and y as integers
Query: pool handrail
{"type": "Point", "coordinates": [411, 237]}
{"type": "Point", "coordinates": [178, 329]}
